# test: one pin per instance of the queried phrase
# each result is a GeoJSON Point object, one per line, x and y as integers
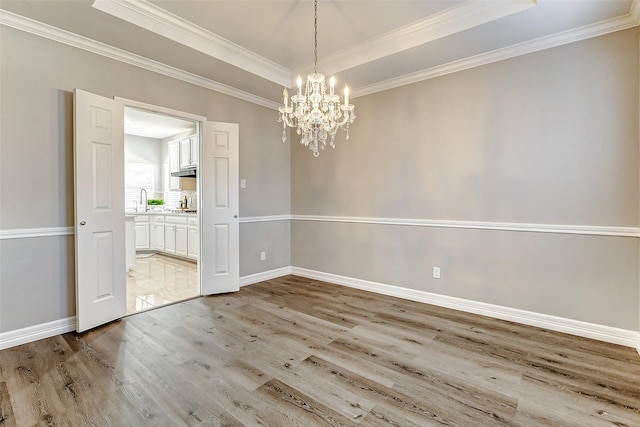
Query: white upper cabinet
{"type": "Point", "coordinates": [185, 153]}
{"type": "Point", "coordinates": [189, 152]}
{"type": "Point", "coordinates": [174, 165]}
{"type": "Point", "coordinates": [174, 157]}
{"type": "Point", "coordinates": [195, 150]}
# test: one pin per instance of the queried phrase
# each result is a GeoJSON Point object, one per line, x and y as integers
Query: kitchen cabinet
{"type": "Point", "coordinates": [141, 232]}
{"type": "Point", "coordinates": [170, 238]}
{"type": "Point", "coordinates": [175, 235]}
{"type": "Point", "coordinates": [193, 243]}
{"type": "Point", "coordinates": [189, 149]}
{"type": "Point", "coordinates": [195, 150]}
{"type": "Point", "coordinates": [181, 240]}
{"type": "Point", "coordinates": [158, 234]}
{"type": "Point", "coordinates": [174, 165]}
{"type": "Point", "coordinates": [129, 235]}
{"type": "Point", "coordinates": [169, 234]}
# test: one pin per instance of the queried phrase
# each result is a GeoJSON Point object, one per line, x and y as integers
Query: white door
{"type": "Point", "coordinates": [99, 210]}
{"type": "Point", "coordinates": [219, 208]}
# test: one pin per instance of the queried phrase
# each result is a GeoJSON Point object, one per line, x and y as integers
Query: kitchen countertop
{"type": "Point", "coordinates": [167, 213]}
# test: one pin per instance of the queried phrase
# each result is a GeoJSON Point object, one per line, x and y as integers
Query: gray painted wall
{"type": "Point", "coordinates": [36, 281]}
{"type": "Point", "coordinates": [549, 138]}
{"type": "Point", "coordinates": [36, 145]}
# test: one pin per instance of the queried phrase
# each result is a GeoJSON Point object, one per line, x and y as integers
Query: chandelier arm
{"type": "Point", "coordinates": [289, 122]}
{"type": "Point", "coordinates": [345, 119]}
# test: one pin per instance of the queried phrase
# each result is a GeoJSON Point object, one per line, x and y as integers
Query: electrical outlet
{"type": "Point", "coordinates": [436, 272]}
{"type": "Point", "coordinates": [243, 183]}
{"type": "Point", "coordinates": [263, 256]}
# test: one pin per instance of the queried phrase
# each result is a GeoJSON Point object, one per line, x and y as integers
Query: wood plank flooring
{"type": "Point", "coordinates": [298, 352]}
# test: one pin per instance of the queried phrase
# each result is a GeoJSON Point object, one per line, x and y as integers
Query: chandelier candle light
{"type": "Point", "coordinates": [314, 114]}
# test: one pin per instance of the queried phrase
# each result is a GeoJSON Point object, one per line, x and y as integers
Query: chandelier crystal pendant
{"type": "Point", "coordinates": [315, 114]}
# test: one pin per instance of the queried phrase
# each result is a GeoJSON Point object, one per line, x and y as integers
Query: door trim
{"type": "Point", "coordinates": [158, 109]}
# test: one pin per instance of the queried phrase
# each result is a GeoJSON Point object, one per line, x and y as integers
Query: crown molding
{"type": "Point", "coordinates": [542, 43]}
{"type": "Point", "coordinates": [450, 21]}
{"type": "Point", "coordinates": [160, 21]}
{"type": "Point", "coordinates": [634, 11]}
{"type": "Point", "coordinates": [28, 25]}
{"type": "Point", "coordinates": [19, 22]}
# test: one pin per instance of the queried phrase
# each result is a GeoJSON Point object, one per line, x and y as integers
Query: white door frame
{"type": "Point", "coordinates": [182, 115]}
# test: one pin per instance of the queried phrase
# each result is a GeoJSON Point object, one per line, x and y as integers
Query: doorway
{"type": "Point", "coordinates": [100, 223]}
{"type": "Point", "coordinates": [161, 161]}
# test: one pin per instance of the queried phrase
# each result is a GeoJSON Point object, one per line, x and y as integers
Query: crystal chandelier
{"type": "Point", "coordinates": [315, 114]}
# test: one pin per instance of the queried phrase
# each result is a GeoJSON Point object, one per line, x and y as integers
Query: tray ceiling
{"type": "Point", "coordinates": [251, 49]}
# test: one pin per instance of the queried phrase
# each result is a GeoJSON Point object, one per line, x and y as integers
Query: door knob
{"type": "Point", "coordinates": [235, 216]}
{"type": "Point", "coordinates": [83, 223]}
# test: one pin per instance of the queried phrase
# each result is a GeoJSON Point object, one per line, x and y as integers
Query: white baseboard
{"type": "Point", "coordinates": [37, 332]}
{"type": "Point", "coordinates": [57, 327]}
{"type": "Point", "coordinates": [609, 334]}
{"type": "Point", "coordinates": [264, 275]}
{"type": "Point", "coordinates": [575, 327]}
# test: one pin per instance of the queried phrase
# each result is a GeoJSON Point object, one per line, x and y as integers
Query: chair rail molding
{"type": "Point", "coordinates": [264, 218]}
{"type": "Point", "coordinates": [27, 233]}
{"type": "Point", "coordinates": [481, 225]}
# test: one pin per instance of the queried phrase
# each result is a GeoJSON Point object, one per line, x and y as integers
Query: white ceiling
{"type": "Point", "coordinates": [251, 49]}
{"type": "Point", "coordinates": [152, 125]}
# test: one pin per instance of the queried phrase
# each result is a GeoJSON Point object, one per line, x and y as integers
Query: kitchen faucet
{"type": "Point", "coordinates": [145, 199]}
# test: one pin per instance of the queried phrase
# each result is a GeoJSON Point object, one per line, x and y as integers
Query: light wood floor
{"type": "Point", "coordinates": [297, 352]}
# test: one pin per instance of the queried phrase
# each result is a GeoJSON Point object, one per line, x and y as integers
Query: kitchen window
{"type": "Point", "coordinates": [136, 177]}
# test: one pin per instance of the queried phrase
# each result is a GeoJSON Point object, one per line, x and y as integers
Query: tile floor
{"type": "Point", "coordinates": [156, 280]}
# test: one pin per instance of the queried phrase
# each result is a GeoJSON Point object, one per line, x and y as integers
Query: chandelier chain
{"type": "Point", "coordinates": [315, 37]}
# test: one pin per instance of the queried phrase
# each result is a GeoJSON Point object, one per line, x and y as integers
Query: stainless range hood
{"type": "Point", "coordinates": [185, 173]}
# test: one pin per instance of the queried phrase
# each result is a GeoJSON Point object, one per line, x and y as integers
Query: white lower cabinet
{"type": "Point", "coordinates": [141, 232]}
{"type": "Point", "coordinates": [170, 238]}
{"type": "Point", "coordinates": [181, 240]}
{"type": "Point", "coordinates": [158, 234]}
{"type": "Point", "coordinates": [193, 242]}
{"type": "Point", "coordinates": [171, 234]}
